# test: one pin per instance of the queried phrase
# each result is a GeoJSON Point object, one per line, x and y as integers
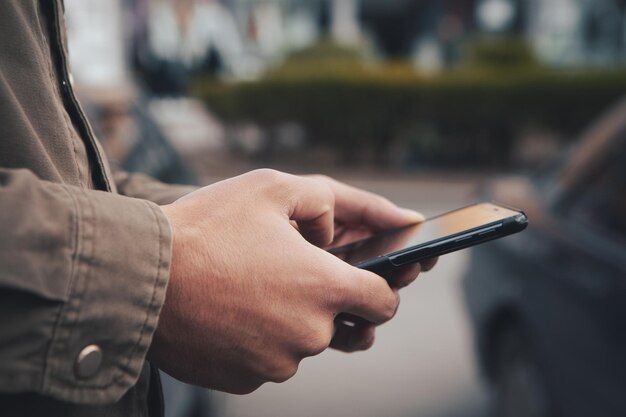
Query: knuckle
{"type": "Point", "coordinates": [322, 183]}
{"type": "Point", "coordinates": [315, 346]}
{"type": "Point", "coordinates": [390, 307]}
{"type": "Point", "coordinates": [272, 183]}
{"type": "Point", "coordinates": [268, 176]}
{"type": "Point", "coordinates": [316, 342]}
{"type": "Point", "coordinates": [321, 178]}
{"type": "Point", "coordinates": [329, 194]}
{"type": "Point", "coordinates": [324, 190]}
{"type": "Point", "coordinates": [281, 373]}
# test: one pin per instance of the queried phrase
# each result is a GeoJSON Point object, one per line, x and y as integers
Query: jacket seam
{"type": "Point", "coordinates": [155, 287]}
{"type": "Point", "coordinates": [84, 128]}
{"type": "Point", "coordinates": [87, 260]}
{"type": "Point", "coordinates": [50, 44]}
{"type": "Point", "coordinates": [150, 306]}
{"type": "Point", "coordinates": [76, 229]}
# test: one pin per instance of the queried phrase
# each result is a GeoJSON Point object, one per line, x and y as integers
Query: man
{"type": "Point", "coordinates": [225, 286]}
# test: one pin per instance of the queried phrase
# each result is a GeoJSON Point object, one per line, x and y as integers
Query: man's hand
{"type": "Point", "coordinates": [358, 215]}
{"type": "Point", "coordinates": [250, 295]}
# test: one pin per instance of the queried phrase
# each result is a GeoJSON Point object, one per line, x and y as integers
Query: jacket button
{"type": "Point", "coordinates": [88, 362]}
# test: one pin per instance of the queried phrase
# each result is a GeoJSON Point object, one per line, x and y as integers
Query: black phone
{"type": "Point", "coordinates": [445, 233]}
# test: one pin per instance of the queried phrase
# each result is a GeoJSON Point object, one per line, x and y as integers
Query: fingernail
{"type": "Point", "coordinates": [413, 215]}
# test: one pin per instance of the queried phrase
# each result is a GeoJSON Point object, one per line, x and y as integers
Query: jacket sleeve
{"type": "Point", "coordinates": [79, 269]}
{"type": "Point", "coordinates": [143, 186]}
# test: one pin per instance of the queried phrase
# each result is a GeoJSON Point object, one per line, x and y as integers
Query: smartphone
{"type": "Point", "coordinates": [445, 233]}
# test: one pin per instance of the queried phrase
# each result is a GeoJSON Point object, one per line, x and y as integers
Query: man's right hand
{"type": "Point", "coordinates": [249, 295]}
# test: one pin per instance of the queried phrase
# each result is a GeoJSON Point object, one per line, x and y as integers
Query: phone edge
{"type": "Point", "coordinates": [383, 265]}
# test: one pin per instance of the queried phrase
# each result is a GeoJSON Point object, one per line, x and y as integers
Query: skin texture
{"type": "Point", "coordinates": [252, 291]}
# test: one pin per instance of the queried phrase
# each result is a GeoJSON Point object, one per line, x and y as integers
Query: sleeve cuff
{"type": "Point", "coordinates": [119, 274]}
{"type": "Point", "coordinates": [142, 186]}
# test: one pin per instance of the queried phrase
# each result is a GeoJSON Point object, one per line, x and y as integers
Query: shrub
{"type": "Point", "coordinates": [474, 112]}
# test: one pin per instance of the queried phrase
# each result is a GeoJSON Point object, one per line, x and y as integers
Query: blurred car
{"type": "Point", "coordinates": [548, 305]}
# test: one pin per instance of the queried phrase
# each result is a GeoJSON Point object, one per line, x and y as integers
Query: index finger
{"type": "Point", "coordinates": [308, 203]}
{"type": "Point", "coordinates": [363, 208]}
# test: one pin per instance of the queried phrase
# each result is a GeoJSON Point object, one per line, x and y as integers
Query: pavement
{"type": "Point", "coordinates": [422, 364]}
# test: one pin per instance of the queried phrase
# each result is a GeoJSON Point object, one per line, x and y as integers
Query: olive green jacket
{"type": "Point", "coordinates": [84, 254]}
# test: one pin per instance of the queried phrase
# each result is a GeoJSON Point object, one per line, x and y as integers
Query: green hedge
{"type": "Point", "coordinates": [469, 117]}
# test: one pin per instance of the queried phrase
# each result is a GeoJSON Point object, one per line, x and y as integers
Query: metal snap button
{"type": "Point", "coordinates": [88, 361]}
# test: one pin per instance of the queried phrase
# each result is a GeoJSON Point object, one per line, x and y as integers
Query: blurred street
{"type": "Point", "coordinates": [418, 101]}
{"type": "Point", "coordinates": [422, 363]}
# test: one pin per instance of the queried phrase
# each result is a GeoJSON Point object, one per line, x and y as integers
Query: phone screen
{"type": "Point", "coordinates": [432, 229]}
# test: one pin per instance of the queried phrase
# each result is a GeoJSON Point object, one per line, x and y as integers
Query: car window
{"type": "Point", "coordinates": [602, 204]}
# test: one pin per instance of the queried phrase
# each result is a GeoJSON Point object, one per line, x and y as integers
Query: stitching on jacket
{"type": "Point", "coordinates": [156, 283]}
{"type": "Point", "coordinates": [73, 134]}
{"type": "Point", "coordinates": [54, 78]}
{"type": "Point", "coordinates": [151, 307]}
{"type": "Point", "coordinates": [89, 230]}
{"type": "Point", "coordinates": [57, 322]}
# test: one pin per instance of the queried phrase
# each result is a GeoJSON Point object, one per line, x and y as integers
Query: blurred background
{"type": "Point", "coordinates": [433, 104]}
